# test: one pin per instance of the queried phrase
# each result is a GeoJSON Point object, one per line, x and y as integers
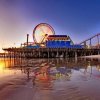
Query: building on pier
{"type": "Point", "coordinates": [61, 41]}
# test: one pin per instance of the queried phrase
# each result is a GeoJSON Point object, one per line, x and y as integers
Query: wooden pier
{"type": "Point", "coordinates": [49, 52]}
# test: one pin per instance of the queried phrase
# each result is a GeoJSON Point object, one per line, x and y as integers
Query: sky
{"type": "Point", "coordinates": [80, 19]}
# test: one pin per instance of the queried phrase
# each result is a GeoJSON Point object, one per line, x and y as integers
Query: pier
{"type": "Point", "coordinates": [49, 45]}
{"type": "Point", "coordinates": [50, 52]}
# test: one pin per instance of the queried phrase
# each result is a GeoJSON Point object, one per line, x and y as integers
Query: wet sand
{"type": "Point", "coordinates": [60, 90]}
{"type": "Point", "coordinates": [61, 83]}
{"type": "Point", "coordinates": [10, 84]}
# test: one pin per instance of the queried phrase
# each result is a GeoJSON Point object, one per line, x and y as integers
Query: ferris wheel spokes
{"type": "Point", "coordinates": [41, 32]}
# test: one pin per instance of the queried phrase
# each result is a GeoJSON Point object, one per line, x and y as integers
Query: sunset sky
{"type": "Point", "coordinates": [79, 19]}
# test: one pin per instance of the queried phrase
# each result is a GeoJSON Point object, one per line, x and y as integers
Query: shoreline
{"type": "Point", "coordinates": [92, 56]}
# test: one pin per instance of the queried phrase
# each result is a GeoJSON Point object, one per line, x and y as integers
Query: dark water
{"type": "Point", "coordinates": [62, 79]}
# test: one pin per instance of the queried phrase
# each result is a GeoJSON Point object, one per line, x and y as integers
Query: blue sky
{"type": "Point", "coordinates": [79, 19]}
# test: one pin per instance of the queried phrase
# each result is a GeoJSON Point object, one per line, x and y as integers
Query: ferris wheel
{"type": "Point", "coordinates": [41, 32]}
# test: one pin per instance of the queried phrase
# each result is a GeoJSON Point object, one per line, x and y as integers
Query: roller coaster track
{"type": "Point", "coordinates": [90, 39]}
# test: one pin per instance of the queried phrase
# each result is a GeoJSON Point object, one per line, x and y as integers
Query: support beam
{"type": "Point", "coordinates": [75, 55]}
{"type": "Point", "coordinates": [98, 40]}
{"type": "Point", "coordinates": [48, 53]}
{"type": "Point", "coordinates": [90, 43]}
{"type": "Point", "coordinates": [27, 38]}
{"type": "Point", "coordinates": [85, 44]}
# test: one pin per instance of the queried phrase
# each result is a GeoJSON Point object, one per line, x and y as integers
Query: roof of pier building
{"type": "Point", "coordinates": [58, 37]}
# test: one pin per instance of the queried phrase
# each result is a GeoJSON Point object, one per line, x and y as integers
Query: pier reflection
{"type": "Point", "coordinates": [56, 78]}
{"type": "Point", "coordinates": [51, 68]}
{"type": "Point", "coordinates": [8, 68]}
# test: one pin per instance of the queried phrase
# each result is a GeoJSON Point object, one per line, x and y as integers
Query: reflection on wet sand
{"type": "Point", "coordinates": [48, 68]}
{"type": "Point", "coordinates": [6, 68]}
{"type": "Point", "coordinates": [62, 79]}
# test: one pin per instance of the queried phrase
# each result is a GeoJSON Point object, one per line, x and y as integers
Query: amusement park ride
{"type": "Point", "coordinates": [40, 34]}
